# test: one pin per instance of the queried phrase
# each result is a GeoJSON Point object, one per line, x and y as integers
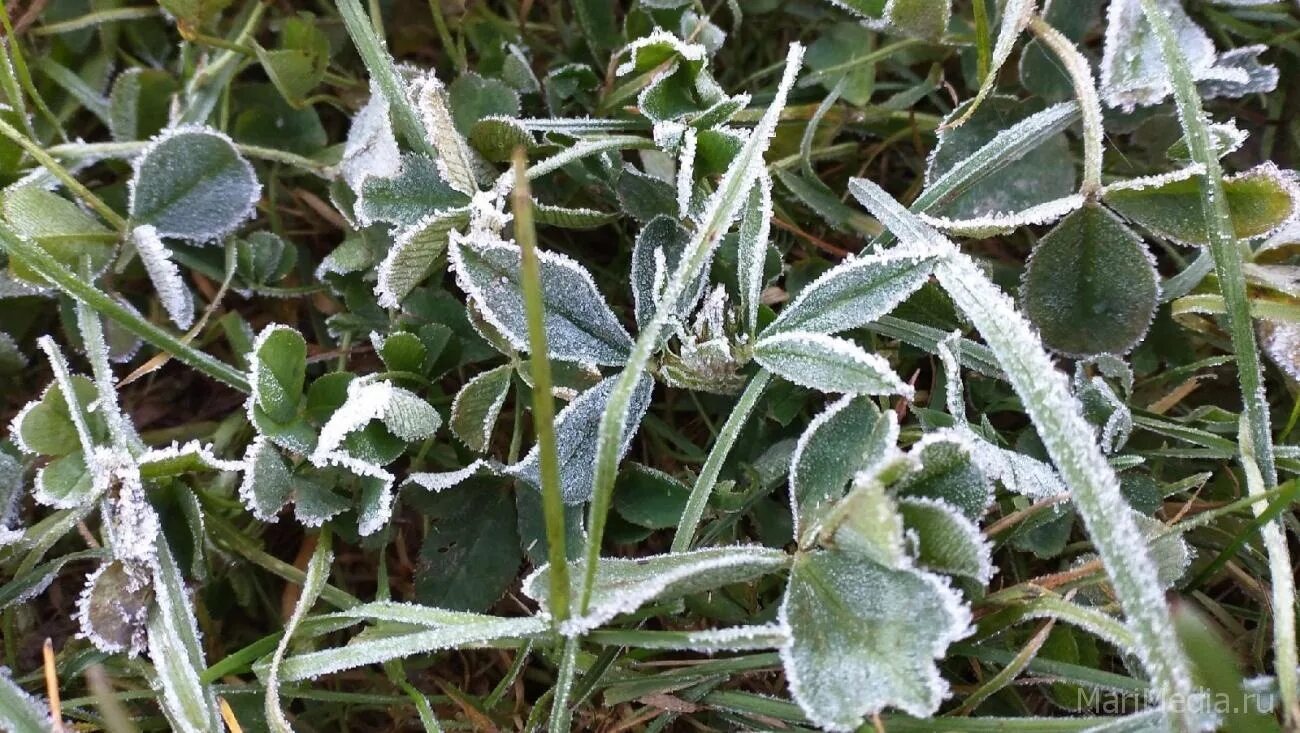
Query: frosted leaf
{"type": "Point", "coordinates": [413, 614]}
{"type": "Point", "coordinates": [477, 406]}
{"type": "Point", "coordinates": [318, 571]}
{"type": "Point", "coordinates": [1258, 78]}
{"type": "Point", "coordinates": [1132, 70]}
{"type": "Point", "coordinates": [267, 483]}
{"type": "Point", "coordinates": [655, 256]}
{"type": "Point", "coordinates": [74, 399]}
{"type": "Point", "coordinates": [178, 458]}
{"type": "Point", "coordinates": [59, 227]}
{"type": "Point", "coordinates": [1018, 472]}
{"type": "Point", "coordinates": [854, 293]}
{"type": "Point", "coordinates": [734, 638]}
{"type": "Point", "coordinates": [623, 585]}
{"type": "Point", "coordinates": [1225, 138]}
{"type": "Point", "coordinates": [176, 652]}
{"type": "Point", "coordinates": [576, 429]}
{"type": "Point", "coordinates": [120, 430]}
{"type": "Point", "coordinates": [845, 438]}
{"type": "Point", "coordinates": [570, 217]}
{"type": "Point", "coordinates": [405, 414]}
{"type": "Point", "coordinates": [828, 364]}
{"type": "Point", "coordinates": [1004, 222]}
{"type": "Point", "coordinates": [863, 637]}
{"type": "Point", "coordinates": [925, 19]}
{"type": "Point", "coordinates": [114, 606]}
{"type": "Point", "coordinates": [314, 503]}
{"type": "Point", "coordinates": [11, 490]}
{"type": "Point", "coordinates": [378, 649]}
{"type": "Point", "coordinates": [457, 158]}
{"type": "Point", "coordinates": [1103, 407]}
{"type": "Point", "coordinates": [447, 479]}
{"type": "Point", "coordinates": [751, 252]}
{"type": "Point", "coordinates": [277, 369]}
{"type": "Point", "coordinates": [65, 482]}
{"type": "Point", "coordinates": [176, 299]}
{"type": "Point", "coordinates": [866, 524]}
{"type": "Point", "coordinates": [131, 522]}
{"type": "Point", "coordinates": [945, 540]}
{"type": "Point", "coordinates": [579, 324]}
{"type": "Point", "coordinates": [649, 51]}
{"type": "Point", "coordinates": [19, 711]}
{"type": "Point", "coordinates": [1015, 16]}
{"type": "Point", "coordinates": [948, 471]}
{"type": "Point", "coordinates": [191, 183]}
{"type": "Point", "coordinates": [416, 249]}
{"type": "Point", "coordinates": [371, 148]}
{"type": "Point", "coordinates": [1260, 201]}
{"type": "Point", "coordinates": [1091, 285]}
{"type": "Point", "coordinates": [412, 194]}
{"type": "Point", "coordinates": [1281, 341]}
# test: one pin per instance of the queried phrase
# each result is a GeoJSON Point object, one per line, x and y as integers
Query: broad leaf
{"type": "Point", "coordinates": [416, 192]}
{"type": "Point", "coordinates": [416, 250]}
{"type": "Point", "coordinates": [1091, 286]}
{"type": "Point", "coordinates": [471, 554]}
{"type": "Point", "coordinates": [278, 370]}
{"type": "Point", "coordinates": [847, 437]}
{"type": "Point", "coordinates": [854, 293]}
{"type": "Point", "coordinates": [864, 637]}
{"type": "Point", "coordinates": [828, 364]}
{"type": "Point", "coordinates": [59, 227]}
{"type": "Point", "coordinates": [946, 540]}
{"type": "Point", "coordinates": [655, 257]}
{"type": "Point", "coordinates": [949, 472]}
{"type": "Point", "coordinates": [579, 324]}
{"type": "Point", "coordinates": [113, 609]}
{"type": "Point", "coordinates": [477, 405]}
{"type": "Point", "coordinates": [191, 183]}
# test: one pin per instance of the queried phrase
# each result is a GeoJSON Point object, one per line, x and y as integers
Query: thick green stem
{"type": "Point", "coordinates": [52, 270]}
{"type": "Point", "coordinates": [708, 478]}
{"type": "Point", "coordinates": [530, 275]}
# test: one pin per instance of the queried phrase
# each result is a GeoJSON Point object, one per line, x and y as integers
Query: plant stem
{"type": "Point", "coordinates": [1085, 89]}
{"type": "Point", "coordinates": [530, 275]}
{"type": "Point", "coordinates": [52, 270]}
{"type": "Point", "coordinates": [58, 171]}
{"type": "Point", "coordinates": [708, 478]}
{"type": "Point", "coordinates": [561, 715]}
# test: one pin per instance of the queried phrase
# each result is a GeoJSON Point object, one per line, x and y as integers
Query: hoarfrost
{"type": "Point", "coordinates": [176, 299]}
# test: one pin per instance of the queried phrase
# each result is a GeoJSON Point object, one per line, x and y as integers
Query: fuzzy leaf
{"type": "Point", "coordinates": [176, 299]}
{"type": "Point", "coordinates": [191, 183]}
{"type": "Point", "coordinates": [624, 585]}
{"type": "Point", "coordinates": [579, 324]}
{"type": "Point", "coordinates": [576, 428]}
{"type": "Point", "coordinates": [946, 540]}
{"type": "Point", "coordinates": [1091, 286]}
{"type": "Point", "coordinates": [655, 257]}
{"type": "Point", "coordinates": [267, 483]}
{"type": "Point", "coordinates": [863, 637]}
{"type": "Point", "coordinates": [477, 405]}
{"type": "Point", "coordinates": [1260, 200]}
{"type": "Point", "coordinates": [854, 293]}
{"type": "Point", "coordinates": [113, 610]}
{"type": "Point", "coordinates": [948, 472]}
{"type": "Point", "coordinates": [415, 251]}
{"type": "Point", "coordinates": [279, 368]}
{"type": "Point", "coordinates": [417, 191]}
{"type": "Point", "coordinates": [844, 439]}
{"type": "Point", "coordinates": [828, 364]}
{"type": "Point", "coordinates": [59, 227]}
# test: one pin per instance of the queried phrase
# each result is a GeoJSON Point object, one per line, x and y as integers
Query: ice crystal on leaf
{"type": "Point", "coordinates": [176, 299]}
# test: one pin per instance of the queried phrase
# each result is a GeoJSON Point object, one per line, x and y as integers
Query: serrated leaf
{"type": "Point", "coordinates": [845, 438]}
{"type": "Point", "coordinates": [579, 324]}
{"type": "Point", "coordinates": [278, 370]}
{"type": "Point", "coordinates": [828, 364]}
{"type": "Point", "coordinates": [946, 540]}
{"type": "Point", "coordinates": [644, 196]}
{"type": "Point", "coordinates": [456, 156]}
{"type": "Point", "coordinates": [414, 254]}
{"type": "Point", "coordinates": [191, 183]}
{"type": "Point", "coordinates": [1259, 200]}
{"type": "Point", "coordinates": [1090, 286]}
{"type": "Point", "coordinates": [417, 191]}
{"type": "Point", "coordinates": [477, 406]}
{"type": "Point", "coordinates": [497, 137]}
{"type": "Point", "coordinates": [567, 217]}
{"type": "Point", "coordinates": [406, 415]}
{"type": "Point", "coordinates": [576, 428]}
{"type": "Point", "coordinates": [60, 228]}
{"type": "Point", "coordinates": [866, 524]}
{"type": "Point", "coordinates": [401, 351]}
{"type": "Point", "coordinates": [863, 637]}
{"type": "Point", "coordinates": [854, 293]}
{"type": "Point", "coordinates": [624, 585]}
{"type": "Point", "coordinates": [948, 471]}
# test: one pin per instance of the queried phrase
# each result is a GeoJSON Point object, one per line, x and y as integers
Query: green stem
{"type": "Point", "coordinates": [708, 478]}
{"type": "Point", "coordinates": [561, 711]}
{"type": "Point", "coordinates": [58, 171]}
{"type": "Point", "coordinates": [52, 270]}
{"type": "Point", "coordinates": [1085, 89]}
{"type": "Point", "coordinates": [90, 20]}
{"type": "Point", "coordinates": [530, 275]}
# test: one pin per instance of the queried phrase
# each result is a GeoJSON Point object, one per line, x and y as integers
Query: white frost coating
{"type": "Point", "coordinates": [1132, 72]}
{"type": "Point", "coordinates": [751, 256]}
{"type": "Point", "coordinates": [829, 364]}
{"type": "Point", "coordinates": [1059, 421]}
{"type": "Point", "coordinates": [318, 570]}
{"type": "Point", "coordinates": [1144, 183]}
{"type": "Point", "coordinates": [22, 711]}
{"type": "Point", "coordinates": [16, 424]}
{"type": "Point", "coordinates": [580, 326]}
{"type": "Point", "coordinates": [414, 249]}
{"type": "Point", "coordinates": [975, 539]}
{"type": "Point", "coordinates": [1239, 72]}
{"type": "Point", "coordinates": [405, 414]}
{"type": "Point", "coordinates": [1015, 16]}
{"type": "Point", "coordinates": [222, 215]}
{"type": "Point", "coordinates": [445, 480]}
{"type": "Point", "coordinates": [1003, 222]}
{"type": "Point", "coordinates": [686, 173]}
{"type": "Point", "coordinates": [1281, 342]}
{"type": "Point", "coordinates": [738, 638]}
{"type": "Point", "coordinates": [133, 615]}
{"type": "Point", "coordinates": [813, 433]}
{"type": "Point", "coordinates": [255, 482]}
{"type": "Point", "coordinates": [456, 158]}
{"type": "Point", "coordinates": [688, 51]}
{"type": "Point", "coordinates": [176, 651]}
{"type": "Point", "coordinates": [623, 585]}
{"type": "Point", "coordinates": [371, 148]}
{"type": "Point", "coordinates": [166, 276]}
{"type": "Point", "coordinates": [201, 451]}
{"type": "Point", "coordinates": [63, 378]}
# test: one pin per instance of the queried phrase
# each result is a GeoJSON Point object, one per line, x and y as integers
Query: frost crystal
{"type": "Point", "coordinates": [371, 149]}
{"type": "Point", "coordinates": [828, 364]}
{"type": "Point", "coordinates": [166, 276]}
